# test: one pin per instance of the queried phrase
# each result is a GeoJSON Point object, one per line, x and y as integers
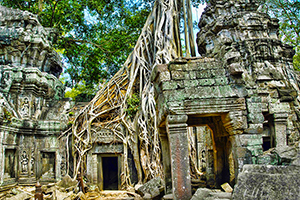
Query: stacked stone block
{"type": "Point", "coordinates": [245, 78]}
{"type": "Point", "coordinates": [32, 110]}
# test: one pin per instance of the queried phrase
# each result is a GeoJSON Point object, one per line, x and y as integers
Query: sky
{"type": "Point", "coordinates": [196, 14]}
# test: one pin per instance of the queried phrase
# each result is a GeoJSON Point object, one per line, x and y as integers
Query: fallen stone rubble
{"type": "Point", "coordinates": [66, 189]}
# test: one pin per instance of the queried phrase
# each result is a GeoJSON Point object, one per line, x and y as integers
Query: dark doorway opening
{"type": "Point", "coordinates": [268, 132]}
{"type": "Point", "coordinates": [110, 173]}
{"type": "Point", "coordinates": [266, 143]}
{"type": "Point", "coordinates": [9, 165]}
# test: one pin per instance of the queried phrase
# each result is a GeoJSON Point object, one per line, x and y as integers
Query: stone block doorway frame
{"type": "Point", "coordinates": [113, 170]}
{"type": "Point", "coordinates": [174, 140]}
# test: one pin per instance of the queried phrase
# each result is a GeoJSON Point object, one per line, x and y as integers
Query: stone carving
{"type": "Point", "coordinates": [24, 162]}
{"type": "Point", "coordinates": [32, 162]}
{"type": "Point", "coordinates": [32, 110]}
{"type": "Point", "coordinates": [63, 166]}
{"type": "Point", "coordinates": [243, 88]}
{"type": "Point", "coordinates": [26, 43]}
{"type": "Point", "coordinates": [268, 182]}
{"type": "Point", "coordinates": [5, 79]}
{"type": "Point", "coordinates": [24, 107]}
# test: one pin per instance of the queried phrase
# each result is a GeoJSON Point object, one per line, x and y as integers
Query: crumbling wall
{"type": "Point", "coordinates": [244, 88]}
{"type": "Point", "coordinates": [32, 110]}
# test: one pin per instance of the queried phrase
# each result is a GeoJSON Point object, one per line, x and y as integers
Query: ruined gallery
{"type": "Point", "coordinates": [202, 126]}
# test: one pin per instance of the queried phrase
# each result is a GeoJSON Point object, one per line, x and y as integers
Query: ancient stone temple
{"type": "Point", "coordinates": [31, 109]}
{"type": "Point", "coordinates": [227, 118]}
{"type": "Point", "coordinates": [241, 97]}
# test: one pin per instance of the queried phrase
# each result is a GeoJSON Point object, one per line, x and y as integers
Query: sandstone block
{"type": "Point", "coordinates": [207, 194]}
{"type": "Point", "coordinates": [268, 182]}
{"type": "Point", "coordinates": [152, 185]}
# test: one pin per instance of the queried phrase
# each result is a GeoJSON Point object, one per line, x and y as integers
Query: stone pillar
{"type": "Point", "coordinates": [180, 165]}
{"type": "Point", "coordinates": [165, 148]}
{"type": "Point", "coordinates": [280, 123]}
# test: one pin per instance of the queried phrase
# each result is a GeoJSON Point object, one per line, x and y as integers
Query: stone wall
{"type": "Point", "coordinates": [244, 89]}
{"type": "Point", "coordinates": [32, 110]}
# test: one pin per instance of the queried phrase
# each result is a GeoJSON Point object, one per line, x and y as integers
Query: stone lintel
{"type": "Point", "coordinates": [105, 148]}
{"type": "Point", "coordinates": [177, 119]}
{"type": "Point", "coordinates": [207, 106]}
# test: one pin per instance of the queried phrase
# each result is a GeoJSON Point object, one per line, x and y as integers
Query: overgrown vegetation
{"type": "Point", "coordinates": [133, 105]}
{"type": "Point", "coordinates": [7, 115]}
{"type": "Point", "coordinates": [96, 36]}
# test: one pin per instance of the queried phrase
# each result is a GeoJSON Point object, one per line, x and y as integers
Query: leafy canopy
{"type": "Point", "coordinates": [96, 36]}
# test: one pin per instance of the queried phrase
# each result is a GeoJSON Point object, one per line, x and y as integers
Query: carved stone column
{"type": "Point", "coordinates": [180, 166]}
{"type": "Point", "coordinates": [165, 148]}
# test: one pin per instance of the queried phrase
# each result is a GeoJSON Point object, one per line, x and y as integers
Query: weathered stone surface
{"type": "Point", "coordinates": [227, 188]}
{"type": "Point", "coordinates": [152, 185]}
{"type": "Point", "coordinates": [207, 194]}
{"type": "Point", "coordinates": [245, 76]}
{"type": "Point", "coordinates": [32, 109]}
{"type": "Point", "coordinates": [23, 196]}
{"type": "Point", "coordinates": [286, 154]}
{"type": "Point", "coordinates": [282, 155]}
{"type": "Point", "coordinates": [67, 182]}
{"type": "Point", "coordinates": [268, 182]}
{"type": "Point", "coordinates": [269, 158]}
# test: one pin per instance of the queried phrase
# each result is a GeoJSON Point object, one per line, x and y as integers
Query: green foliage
{"type": "Point", "coordinates": [6, 115]}
{"type": "Point", "coordinates": [71, 113]}
{"type": "Point", "coordinates": [96, 36]}
{"type": "Point", "coordinates": [133, 104]}
{"type": "Point", "coordinates": [81, 93]}
{"type": "Point", "coordinates": [288, 12]}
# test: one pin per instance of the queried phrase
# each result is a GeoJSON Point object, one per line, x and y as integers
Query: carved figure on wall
{"type": "Point", "coordinates": [5, 81]}
{"type": "Point", "coordinates": [25, 108]}
{"type": "Point", "coordinates": [32, 162]}
{"type": "Point", "coordinates": [24, 162]}
{"type": "Point", "coordinates": [63, 166]}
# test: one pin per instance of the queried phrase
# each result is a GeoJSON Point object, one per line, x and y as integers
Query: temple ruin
{"type": "Point", "coordinates": [244, 90]}
{"type": "Point", "coordinates": [32, 106]}
{"type": "Point", "coordinates": [164, 121]}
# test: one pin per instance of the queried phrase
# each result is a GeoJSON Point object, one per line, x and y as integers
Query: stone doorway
{"type": "Point", "coordinates": [48, 166]}
{"type": "Point", "coordinates": [213, 147]}
{"type": "Point", "coordinates": [10, 166]}
{"type": "Point", "coordinates": [109, 172]}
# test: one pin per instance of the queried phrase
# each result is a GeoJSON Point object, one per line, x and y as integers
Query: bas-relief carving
{"type": "Point", "coordinates": [31, 95]}
{"type": "Point", "coordinates": [24, 107]}
{"type": "Point", "coordinates": [24, 163]}
{"type": "Point", "coordinates": [32, 162]}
